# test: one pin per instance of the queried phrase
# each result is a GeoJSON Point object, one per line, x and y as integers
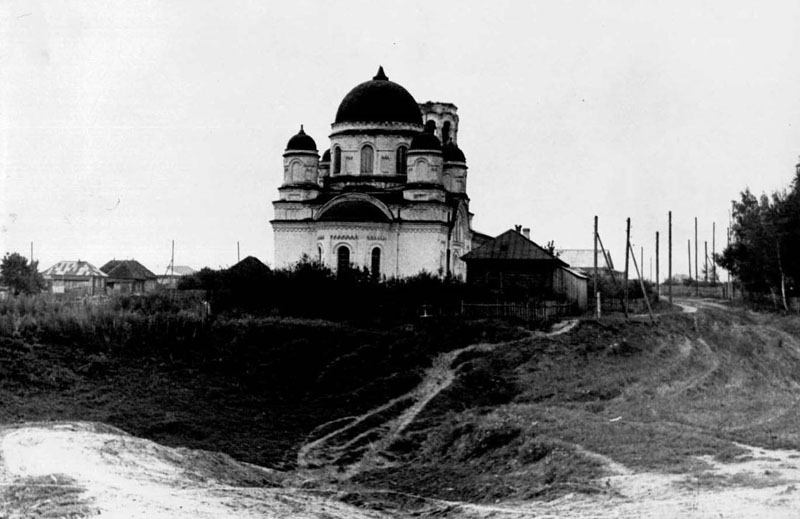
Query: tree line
{"type": "Point", "coordinates": [764, 250]}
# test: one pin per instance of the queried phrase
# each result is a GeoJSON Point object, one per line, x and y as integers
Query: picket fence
{"type": "Point", "coordinates": [525, 312]}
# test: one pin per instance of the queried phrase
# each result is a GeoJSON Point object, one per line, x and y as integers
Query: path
{"type": "Point", "coordinates": [361, 443]}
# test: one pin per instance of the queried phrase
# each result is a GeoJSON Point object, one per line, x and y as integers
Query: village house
{"type": "Point", "coordinates": [129, 277]}
{"type": "Point", "coordinates": [515, 268]}
{"type": "Point", "coordinates": [582, 260]}
{"type": "Point", "coordinates": [173, 275]}
{"type": "Point", "coordinates": [75, 278]}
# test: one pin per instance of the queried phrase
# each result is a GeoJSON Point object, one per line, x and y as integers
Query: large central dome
{"type": "Point", "coordinates": [379, 100]}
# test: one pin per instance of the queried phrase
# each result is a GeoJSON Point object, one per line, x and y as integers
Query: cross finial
{"type": "Point", "coordinates": [380, 76]}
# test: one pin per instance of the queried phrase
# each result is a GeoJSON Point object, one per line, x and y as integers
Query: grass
{"type": "Point", "coordinates": [252, 387]}
{"type": "Point", "coordinates": [516, 423]}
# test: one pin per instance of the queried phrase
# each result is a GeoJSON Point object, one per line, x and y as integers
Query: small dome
{"type": "Point", "coordinates": [453, 153]}
{"type": "Point", "coordinates": [425, 141]}
{"type": "Point", "coordinates": [301, 142]}
{"type": "Point", "coordinates": [326, 156]}
{"type": "Point", "coordinates": [379, 100]}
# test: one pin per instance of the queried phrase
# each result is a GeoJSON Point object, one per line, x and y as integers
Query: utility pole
{"type": "Point", "coordinates": [713, 253]}
{"type": "Point", "coordinates": [238, 259]}
{"type": "Point", "coordinates": [696, 275]}
{"type": "Point", "coordinates": [596, 304]}
{"type": "Point", "coordinates": [669, 273]}
{"type": "Point", "coordinates": [730, 284]}
{"type": "Point", "coordinates": [658, 288]}
{"type": "Point", "coordinates": [689, 253]}
{"type": "Point", "coordinates": [627, 255]}
{"type": "Point", "coordinates": [705, 245]}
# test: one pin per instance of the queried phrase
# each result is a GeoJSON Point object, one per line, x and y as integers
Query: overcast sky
{"type": "Point", "coordinates": [125, 125]}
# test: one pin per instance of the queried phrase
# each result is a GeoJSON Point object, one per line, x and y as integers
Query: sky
{"type": "Point", "coordinates": [127, 125]}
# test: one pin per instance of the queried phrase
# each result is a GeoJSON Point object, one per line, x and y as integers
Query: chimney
{"type": "Point", "coordinates": [527, 232]}
{"type": "Point", "coordinates": [518, 228]}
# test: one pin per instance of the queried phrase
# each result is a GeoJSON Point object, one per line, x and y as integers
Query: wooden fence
{"type": "Point", "coordinates": [528, 313]}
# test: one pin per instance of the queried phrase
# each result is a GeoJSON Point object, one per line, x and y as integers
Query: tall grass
{"type": "Point", "coordinates": [97, 323]}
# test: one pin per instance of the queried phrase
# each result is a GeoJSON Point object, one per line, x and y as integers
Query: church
{"type": "Point", "coordinates": [389, 193]}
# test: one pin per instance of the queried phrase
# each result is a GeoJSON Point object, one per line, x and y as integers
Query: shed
{"type": "Point", "coordinates": [129, 277]}
{"type": "Point", "coordinates": [75, 278]}
{"type": "Point", "coordinates": [514, 267]}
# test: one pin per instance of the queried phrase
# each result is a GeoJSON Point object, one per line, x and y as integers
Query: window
{"type": "Point", "coordinates": [445, 132]}
{"type": "Point", "coordinates": [401, 160]}
{"type": "Point", "coordinates": [297, 172]}
{"type": "Point", "coordinates": [430, 126]}
{"type": "Point", "coordinates": [342, 259]}
{"type": "Point", "coordinates": [319, 254]}
{"type": "Point", "coordinates": [367, 160]}
{"type": "Point", "coordinates": [375, 266]}
{"type": "Point", "coordinates": [337, 160]}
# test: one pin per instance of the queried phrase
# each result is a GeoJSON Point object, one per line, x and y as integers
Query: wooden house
{"type": "Point", "coordinates": [515, 268]}
{"type": "Point", "coordinates": [129, 277]}
{"type": "Point", "coordinates": [75, 278]}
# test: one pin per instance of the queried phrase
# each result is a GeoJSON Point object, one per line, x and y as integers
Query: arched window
{"type": "Point", "coordinates": [342, 259]}
{"type": "Point", "coordinates": [421, 167]}
{"type": "Point", "coordinates": [297, 172]}
{"type": "Point", "coordinates": [430, 126]}
{"type": "Point", "coordinates": [367, 160]}
{"type": "Point", "coordinates": [446, 132]}
{"type": "Point", "coordinates": [375, 265]}
{"type": "Point", "coordinates": [401, 160]}
{"type": "Point", "coordinates": [319, 254]}
{"type": "Point", "coordinates": [337, 160]}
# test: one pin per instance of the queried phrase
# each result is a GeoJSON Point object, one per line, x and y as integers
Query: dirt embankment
{"type": "Point", "coordinates": [693, 418]}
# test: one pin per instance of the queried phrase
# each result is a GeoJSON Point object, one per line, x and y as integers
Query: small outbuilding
{"type": "Point", "coordinates": [75, 278]}
{"type": "Point", "coordinates": [129, 277]}
{"type": "Point", "coordinates": [515, 268]}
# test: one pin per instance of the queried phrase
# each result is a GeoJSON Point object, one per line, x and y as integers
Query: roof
{"type": "Point", "coordinates": [453, 153]}
{"type": "Point", "coordinates": [249, 266]}
{"type": "Point", "coordinates": [425, 141]}
{"type": "Point", "coordinates": [301, 142]}
{"type": "Point", "coordinates": [127, 269]}
{"type": "Point", "coordinates": [584, 258]}
{"type": "Point", "coordinates": [510, 245]}
{"type": "Point", "coordinates": [80, 269]}
{"type": "Point", "coordinates": [379, 100]}
{"type": "Point", "coordinates": [575, 273]}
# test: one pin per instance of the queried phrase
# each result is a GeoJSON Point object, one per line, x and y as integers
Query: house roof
{"type": "Point", "coordinates": [510, 245]}
{"type": "Point", "coordinates": [249, 266]}
{"type": "Point", "coordinates": [79, 269]}
{"type": "Point", "coordinates": [584, 258]}
{"type": "Point", "coordinates": [127, 269]}
{"type": "Point", "coordinates": [183, 270]}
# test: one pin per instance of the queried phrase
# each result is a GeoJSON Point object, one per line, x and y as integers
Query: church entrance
{"type": "Point", "coordinates": [342, 259]}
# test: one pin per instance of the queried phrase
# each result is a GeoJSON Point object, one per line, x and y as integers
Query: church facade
{"type": "Point", "coordinates": [389, 193]}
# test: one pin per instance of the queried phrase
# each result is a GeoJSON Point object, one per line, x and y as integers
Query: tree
{"type": "Point", "coordinates": [764, 253]}
{"type": "Point", "coordinates": [21, 277]}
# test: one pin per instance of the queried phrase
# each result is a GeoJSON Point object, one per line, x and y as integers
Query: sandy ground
{"type": "Point", "coordinates": [75, 470]}
{"type": "Point", "coordinates": [764, 484]}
